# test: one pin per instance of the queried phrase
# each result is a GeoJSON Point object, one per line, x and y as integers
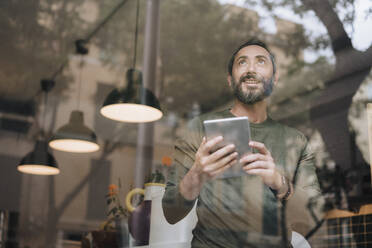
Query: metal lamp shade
{"type": "Point", "coordinates": [129, 105]}
{"type": "Point", "coordinates": [75, 136]}
{"type": "Point", "coordinates": [39, 161]}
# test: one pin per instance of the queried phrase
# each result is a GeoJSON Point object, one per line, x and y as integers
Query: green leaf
{"type": "Point", "coordinates": [157, 177]}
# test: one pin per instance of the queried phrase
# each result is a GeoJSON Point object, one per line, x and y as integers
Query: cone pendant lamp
{"type": "Point", "coordinates": [133, 104]}
{"type": "Point", "coordinates": [75, 136]}
{"type": "Point", "coordinates": [39, 161]}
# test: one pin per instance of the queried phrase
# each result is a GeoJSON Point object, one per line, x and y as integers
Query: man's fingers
{"type": "Point", "coordinates": [256, 165]}
{"type": "Point", "coordinates": [204, 140]}
{"type": "Point", "coordinates": [260, 147]}
{"type": "Point", "coordinates": [221, 170]}
{"type": "Point", "coordinates": [221, 163]}
{"type": "Point", "coordinates": [208, 145]}
{"type": "Point", "coordinates": [253, 157]}
{"type": "Point", "coordinates": [222, 152]}
{"type": "Point", "coordinates": [258, 172]}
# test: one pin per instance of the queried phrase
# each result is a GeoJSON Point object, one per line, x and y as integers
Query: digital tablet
{"type": "Point", "coordinates": [235, 131]}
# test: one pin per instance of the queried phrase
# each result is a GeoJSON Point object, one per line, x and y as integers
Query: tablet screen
{"type": "Point", "coordinates": [235, 131]}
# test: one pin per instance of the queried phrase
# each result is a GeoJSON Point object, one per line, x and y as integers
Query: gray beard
{"type": "Point", "coordinates": [252, 97]}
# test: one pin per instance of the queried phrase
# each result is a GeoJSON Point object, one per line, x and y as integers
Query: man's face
{"type": "Point", "coordinates": [252, 78]}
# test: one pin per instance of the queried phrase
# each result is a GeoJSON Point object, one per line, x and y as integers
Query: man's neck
{"type": "Point", "coordinates": [256, 112]}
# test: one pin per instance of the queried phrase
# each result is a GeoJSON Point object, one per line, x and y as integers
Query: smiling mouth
{"type": "Point", "coordinates": [251, 82]}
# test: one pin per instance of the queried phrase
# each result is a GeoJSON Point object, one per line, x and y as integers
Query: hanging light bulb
{"type": "Point", "coordinates": [134, 103]}
{"type": "Point", "coordinates": [39, 161]}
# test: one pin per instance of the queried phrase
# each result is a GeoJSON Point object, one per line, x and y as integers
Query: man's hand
{"type": "Point", "coordinates": [207, 165]}
{"type": "Point", "coordinates": [262, 164]}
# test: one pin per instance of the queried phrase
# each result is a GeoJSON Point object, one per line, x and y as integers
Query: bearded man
{"type": "Point", "coordinates": [261, 207]}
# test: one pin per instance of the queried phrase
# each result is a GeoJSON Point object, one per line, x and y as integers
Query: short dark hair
{"type": "Point", "coordinates": [250, 42]}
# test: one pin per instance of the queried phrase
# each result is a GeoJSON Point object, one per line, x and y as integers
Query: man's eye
{"type": "Point", "coordinates": [242, 62]}
{"type": "Point", "coordinates": [261, 61]}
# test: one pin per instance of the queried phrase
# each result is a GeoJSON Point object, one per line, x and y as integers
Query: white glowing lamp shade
{"type": "Point", "coordinates": [133, 104]}
{"type": "Point", "coordinates": [75, 136]}
{"type": "Point", "coordinates": [38, 169]}
{"type": "Point", "coordinates": [39, 161]}
{"type": "Point", "coordinates": [130, 112]}
{"type": "Point", "coordinates": [74, 145]}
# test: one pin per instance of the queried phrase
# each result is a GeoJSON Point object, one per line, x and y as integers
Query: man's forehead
{"type": "Point", "coordinates": [252, 51]}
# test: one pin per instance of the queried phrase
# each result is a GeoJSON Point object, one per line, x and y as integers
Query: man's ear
{"type": "Point", "coordinates": [276, 77]}
{"type": "Point", "coordinates": [229, 80]}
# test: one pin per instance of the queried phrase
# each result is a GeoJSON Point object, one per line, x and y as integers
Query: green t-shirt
{"type": "Point", "coordinates": [242, 211]}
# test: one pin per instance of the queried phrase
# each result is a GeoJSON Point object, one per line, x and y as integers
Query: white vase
{"type": "Point", "coordinates": [162, 233]}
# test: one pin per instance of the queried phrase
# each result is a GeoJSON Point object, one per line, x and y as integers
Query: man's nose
{"type": "Point", "coordinates": [251, 67]}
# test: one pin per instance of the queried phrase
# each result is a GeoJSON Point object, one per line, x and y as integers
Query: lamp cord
{"type": "Point", "coordinates": [44, 114]}
{"type": "Point", "coordinates": [87, 39]}
{"type": "Point", "coordinates": [79, 82]}
{"type": "Point", "coordinates": [136, 35]}
{"type": "Point", "coordinates": [105, 20]}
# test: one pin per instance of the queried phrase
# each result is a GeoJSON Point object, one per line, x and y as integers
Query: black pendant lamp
{"type": "Point", "coordinates": [135, 103]}
{"type": "Point", "coordinates": [75, 136]}
{"type": "Point", "coordinates": [39, 161]}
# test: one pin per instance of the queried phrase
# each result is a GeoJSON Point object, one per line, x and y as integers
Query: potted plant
{"type": "Point", "coordinates": [112, 232]}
